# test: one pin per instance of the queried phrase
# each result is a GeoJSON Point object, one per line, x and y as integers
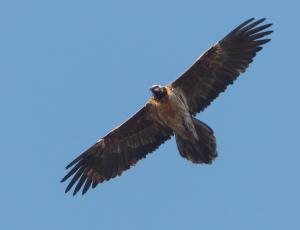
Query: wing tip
{"type": "Point", "coordinates": [263, 41]}
{"type": "Point", "coordinates": [67, 190]}
{"type": "Point", "coordinates": [261, 20]}
{"type": "Point", "coordinates": [249, 20]}
{"type": "Point", "coordinates": [75, 161]}
{"type": "Point", "coordinates": [250, 23]}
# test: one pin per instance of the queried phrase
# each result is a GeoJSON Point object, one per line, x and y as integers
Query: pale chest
{"type": "Point", "coordinates": [173, 112]}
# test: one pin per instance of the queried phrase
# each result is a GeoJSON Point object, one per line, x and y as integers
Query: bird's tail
{"type": "Point", "coordinates": [201, 151]}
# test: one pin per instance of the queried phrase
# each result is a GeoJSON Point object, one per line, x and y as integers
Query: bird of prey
{"type": "Point", "coordinates": [171, 111]}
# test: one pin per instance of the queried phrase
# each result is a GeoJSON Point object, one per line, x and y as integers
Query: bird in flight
{"type": "Point", "coordinates": [171, 111]}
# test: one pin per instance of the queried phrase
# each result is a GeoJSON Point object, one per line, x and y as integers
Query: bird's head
{"type": "Point", "coordinates": [158, 91]}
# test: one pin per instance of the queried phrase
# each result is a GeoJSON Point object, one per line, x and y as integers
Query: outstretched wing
{"type": "Point", "coordinates": [221, 64]}
{"type": "Point", "coordinates": [118, 150]}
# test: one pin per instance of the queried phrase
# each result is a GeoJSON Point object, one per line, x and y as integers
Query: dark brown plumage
{"type": "Point", "coordinates": [222, 64]}
{"type": "Point", "coordinates": [118, 150]}
{"type": "Point", "coordinates": [171, 110]}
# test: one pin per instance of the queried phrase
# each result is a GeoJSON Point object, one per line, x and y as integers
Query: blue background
{"type": "Point", "coordinates": [73, 70]}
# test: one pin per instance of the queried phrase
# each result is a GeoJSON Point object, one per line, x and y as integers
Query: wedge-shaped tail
{"type": "Point", "coordinates": [202, 151]}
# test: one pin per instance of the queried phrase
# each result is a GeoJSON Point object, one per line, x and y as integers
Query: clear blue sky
{"type": "Point", "coordinates": [73, 70]}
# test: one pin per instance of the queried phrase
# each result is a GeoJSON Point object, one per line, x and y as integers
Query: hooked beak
{"type": "Point", "coordinates": [154, 88]}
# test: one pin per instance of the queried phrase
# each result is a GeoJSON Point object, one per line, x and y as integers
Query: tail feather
{"type": "Point", "coordinates": [204, 150]}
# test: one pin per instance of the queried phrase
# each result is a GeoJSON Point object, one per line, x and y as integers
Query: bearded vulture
{"type": "Point", "coordinates": [171, 111]}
